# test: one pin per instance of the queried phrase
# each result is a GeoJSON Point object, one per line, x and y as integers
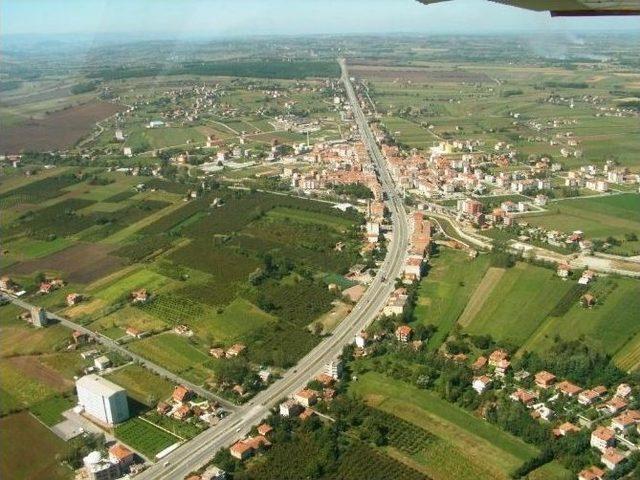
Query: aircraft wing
{"type": "Point", "coordinates": [572, 8]}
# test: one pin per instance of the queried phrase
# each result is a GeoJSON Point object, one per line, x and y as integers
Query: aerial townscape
{"type": "Point", "coordinates": [280, 254]}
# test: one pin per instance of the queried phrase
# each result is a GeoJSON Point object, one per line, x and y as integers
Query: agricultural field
{"type": "Point", "coordinates": [446, 289]}
{"type": "Point", "coordinates": [36, 462]}
{"type": "Point", "coordinates": [517, 304]}
{"type": "Point", "coordinates": [142, 385]}
{"type": "Point", "coordinates": [144, 437]}
{"type": "Point", "coordinates": [456, 430]}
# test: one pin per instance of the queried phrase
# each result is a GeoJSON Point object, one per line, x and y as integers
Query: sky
{"type": "Point", "coordinates": [225, 18]}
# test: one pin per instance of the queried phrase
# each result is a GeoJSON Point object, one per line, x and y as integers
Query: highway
{"type": "Point", "coordinates": [197, 452]}
{"type": "Point", "coordinates": [112, 345]}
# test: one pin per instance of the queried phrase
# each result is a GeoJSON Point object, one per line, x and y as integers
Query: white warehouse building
{"type": "Point", "coordinates": [102, 399]}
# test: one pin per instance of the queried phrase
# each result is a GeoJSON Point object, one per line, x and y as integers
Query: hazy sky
{"type": "Point", "coordinates": [184, 18]}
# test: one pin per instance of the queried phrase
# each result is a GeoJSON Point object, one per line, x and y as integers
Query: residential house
{"type": "Point", "coordinates": [264, 429]}
{"type": "Point", "coordinates": [235, 349]}
{"type": "Point", "coordinates": [563, 270]}
{"type": "Point", "coordinates": [623, 390]}
{"type": "Point", "coordinates": [290, 408]}
{"type": "Point", "coordinates": [611, 458]}
{"type": "Point", "coordinates": [626, 420]}
{"type": "Point", "coordinates": [481, 383]}
{"type": "Point", "coordinates": [102, 362]}
{"type": "Point", "coordinates": [603, 438]}
{"type": "Point", "coordinates": [501, 367]}
{"type": "Point", "coordinates": [479, 364]}
{"type": "Point", "coordinates": [306, 397]}
{"type": "Point", "coordinates": [614, 405]}
{"type": "Point", "coordinates": [182, 412]}
{"type": "Point", "coordinates": [565, 429]}
{"type": "Point", "coordinates": [497, 356]}
{"type": "Point", "coordinates": [403, 333]}
{"type": "Point", "coordinates": [121, 455]}
{"type": "Point", "coordinates": [587, 397]}
{"type": "Point", "coordinates": [567, 388]}
{"type": "Point", "coordinates": [544, 379]}
{"type": "Point", "coordinates": [134, 332]}
{"type": "Point", "coordinates": [140, 296]}
{"type": "Point", "coordinates": [217, 352]}
{"type": "Point", "coordinates": [181, 394]}
{"type": "Point", "coordinates": [73, 299]}
{"type": "Point", "coordinates": [591, 473]}
{"type": "Point", "coordinates": [526, 397]}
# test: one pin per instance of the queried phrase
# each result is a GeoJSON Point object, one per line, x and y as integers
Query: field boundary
{"type": "Point", "coordinates": [490, 280]}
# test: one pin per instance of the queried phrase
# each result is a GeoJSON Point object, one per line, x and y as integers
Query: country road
{"type": "Point", "coordinates": [112, 345]}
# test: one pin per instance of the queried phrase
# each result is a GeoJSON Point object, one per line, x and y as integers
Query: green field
{"type": "Point", "coordinates": [614, 321]}
{"type": "Point", "coordinates": [444, 292]}
{"type": "Point", "coordinates": [518, 303]}
{"type": "Point", "coordinates": [490, 450]}
{"type": "Point", "coordinates": [144, 437]}
{"type": "Point", "coordinates": [50, 410]}
{"type": "Point", "coordinates": [597, 217]}
{"type": "Point", "coordinates": [338, 223]}
{"type": "Point", "coordinates": [142, 385]}
{"type": "Point", "coordinates": [29, 450]}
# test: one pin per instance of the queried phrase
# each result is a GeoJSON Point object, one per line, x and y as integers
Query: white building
{"type": "Point", "coordinates": [333, 369]}
{"type": "Point", "coordinates": [102, 399]}
{"type": "Point", "coordinates": [99, 468]}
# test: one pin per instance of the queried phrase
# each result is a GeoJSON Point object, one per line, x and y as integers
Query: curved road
{"type": "Point", "coordinates": [194, 454]}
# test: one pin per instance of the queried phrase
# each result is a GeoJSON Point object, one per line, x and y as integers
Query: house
{"type": "Point", "coordinates": [623, 390]}
{"type": "Point", "coordinates": [353, 294]}
{"type": "Point", "coordinates": [497, 356]}
{"type": "Point", "coordinates": [306, 397]}
{"type": "Point", "coordinates": [102, 362]}
{"type": "Point", "coordinates": [181, 394]}
{"type": "Point", "coordinates": [217, 352]}
{"type": "Point", "coordinates": [121, 455]}
{"type": "Point", "coordinates": [479, 364]}
{"type": "Point", "coordinates": [213, 473]}
{"type": "Point", "coordinates": [73, 299]}
{"type": "Point", "coordinates": [502, 366]}
{"type": "Point", "coordinates": [325, 379]}
{"type": "Point", "coordinates": [182, 412]}
{"type": "Point", "coordinates": [587, 397]}
{"type": "Point", "coordinates": [615, 405]}
{"type": "Point", "coordinates": [603, 438]}
{"type": "Point", "coordinates": [586, 277]}
{"type": "Point", "coordinates": [333, 369]}
{"type": "Point", "coordinates": [544, 379]}
{"type": "Point", "coordinates": [563, 270]}
{"type": "Point", "coordinates": [265, 429]}
{"type": "Point", "coordinates": [183, 330]}
{"type": "Point", "coordinates": [306, 414]}
{"type": "Point", "coordinates": [133, 332]}
{"type": "Point", "coordinates": [588, 300]}
{"type": "Point", "coordinates": [480, 384]}
{"type": "Point", "coordinates": [591, 473]}
{"type": "Point", "coordinates": [526, 397]}
{"type": "Point", "coordinates": [236, 349]}
{"type": "Point", "coordinates": [79, 337]}
{"type": "Point", "coordinates": [403, 333]}
{"type": "Point", "coordinates": [361, 339]}
{"type": "Point", "coordinates": [163, 408]}
{"type": "Point", "coordinates": [611, 458]}
{"type": "Point", "coordinates": [241, 450]}
{"type": "Point", "coordinates": [542, 412]}
{"type": "Point", "coordinates": [626, 420]}
{"type": "Point", "coordinates": [290, 409]}
{"type": "Point", "coordinates": [565, 429]}
{"type": "Point", "coordinates": [567, 388]}
{"type": "Point", "coordinates": [45, 288]}
{"type": "Point", "coordinates": [140, 296]}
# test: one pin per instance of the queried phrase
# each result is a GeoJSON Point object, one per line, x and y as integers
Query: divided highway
{"type": "Point", "coordinates": [197, 452]}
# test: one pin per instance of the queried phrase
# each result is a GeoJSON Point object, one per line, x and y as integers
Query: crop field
{"type": "Point", "coordinates": [598, 217]}
{"type": "Point", "coordinates": [362, 461]}
{"type": "Point", "coordinates": [129, 316]}
{"type": "Point", "coordinates": [141, 384]}
{"type": "Point", "coordinates": [144, 437]}
{"type": "Point", "coordinates": [17, 338]}
{"type": "Point", "coordinates": [39, 459]}
{"type": "Point", "coordinates": [56, 130]}
{"type": "Point", "coordinates": [519, 303]}
{"type": "Point", "coordinates": [122, 288]}
{"type": "Point", "coordinates": [444, 292]}
{"type": "Point", "coordinates": [171, 351]}
{"type": "Point", "coordinates": [491, 450]}
{"type": "Point", "coordinates": [18, 391]}
{"type": "Point", "coordinates": [613, 322]}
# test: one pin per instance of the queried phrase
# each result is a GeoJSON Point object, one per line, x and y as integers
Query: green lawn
{"type": "Point", "coordinates": [306, 216]}
{"type": "Point", "coordinates": [519, 303]}
{"type": "Point", "coordinates": [141, 384]}
{"type": "Point", "coordinates": [551, 471]}
{"type": "Point", "coordinates": [485, 445]}
{"type": "Point", "coordinates": [49, 411]}
{"type": "Point", "coordinates": [598, 217]}
{"type": "Point", "coordinates": [445, 291]}
{"type": "Point", "coordinates": [144, 437]}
